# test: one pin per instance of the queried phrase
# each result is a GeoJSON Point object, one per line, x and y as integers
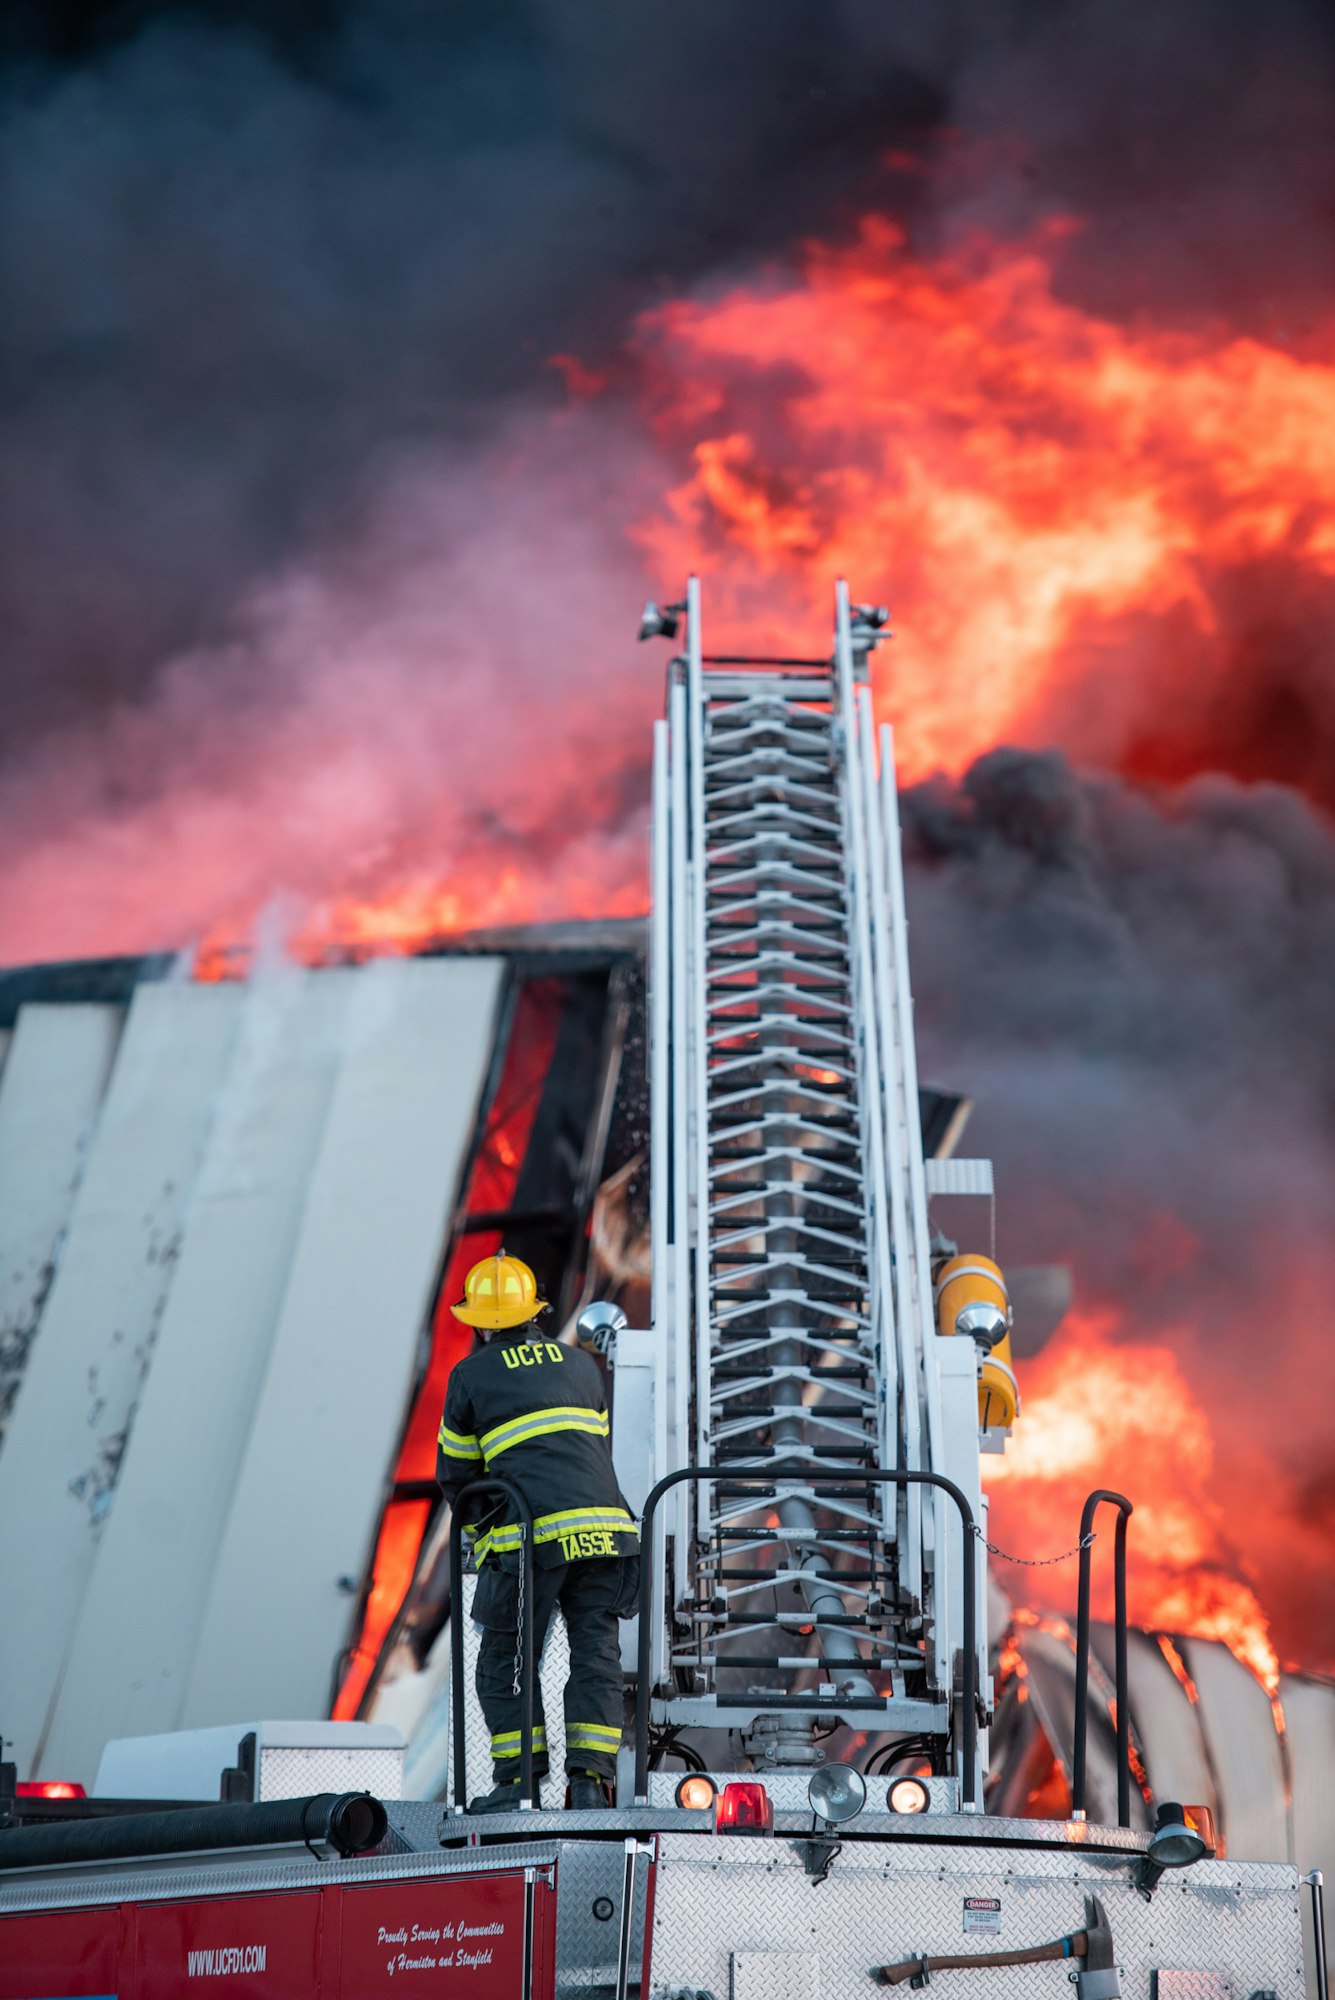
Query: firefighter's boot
{"type": "Point", "coordinates": [504, 1797]}
{"type": "Point", "coordinates": [587, 1793]}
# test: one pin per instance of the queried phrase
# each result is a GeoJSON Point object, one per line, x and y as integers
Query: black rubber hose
{"type": "Point", "coordinates": [349, 1822]}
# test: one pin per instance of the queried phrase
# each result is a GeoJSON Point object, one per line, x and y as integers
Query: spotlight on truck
{"type": "Point", "coordinates": [1182, 1835]}
{"type": "Point", "coordinates": [837, 1793]}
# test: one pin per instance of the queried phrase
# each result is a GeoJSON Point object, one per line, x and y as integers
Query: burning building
{"type": "Point", "coordinates": [235, 1215]}
{"type": "Point", "coordinates": [231, 1210]}
{"type": "Point", "coordinates": [1028, 318]}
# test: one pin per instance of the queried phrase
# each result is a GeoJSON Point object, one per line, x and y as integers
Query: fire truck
{"type": "Point", "coordinates": [800, 1801]}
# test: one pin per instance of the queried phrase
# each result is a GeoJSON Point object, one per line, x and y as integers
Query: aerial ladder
{"type": "Point", "coordinates": [794, 1326]}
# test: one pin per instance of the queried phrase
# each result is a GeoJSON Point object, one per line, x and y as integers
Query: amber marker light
{"type": "Point", "coordinates": [1201, 1820]}
{"type": "Point", "coordinates": [696, 1793]}
{"type": "Point", "coordinates": [908, 1795]}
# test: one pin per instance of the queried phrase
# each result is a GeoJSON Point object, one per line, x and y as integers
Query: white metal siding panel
{"type": "Point", "coordinates": [332, 1406]}
{"type": "Point", "coordinates": [1243, 1744]}
{"type": "Point", "coordinates": [1167, 1726]}
{"type": "Point", "coordinates": [96, 1336]}
{"type": "Point", "coordinates": [50, 1090]}
{"type": "Point", "coordinates": [1309, 1717]}
{"type": "Point", "coordinates": [134, 1648]}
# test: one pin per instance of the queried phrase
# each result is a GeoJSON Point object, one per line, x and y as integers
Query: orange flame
{"type": "Point", "coordinates": [1097, 1409]}
{"type": "Point", "coordinates": [1024, 476]}
{"type": "Point", "coordinates": [1054, 500]}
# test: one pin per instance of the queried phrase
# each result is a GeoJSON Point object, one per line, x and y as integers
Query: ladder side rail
{"type": "Point", "coordinates": [918, 1246]}
{"type": "Point", "coordinates": [697, 1003]}
{"type": "Point", "coordinates": [679, 1331]}
{"type": "Point", "coordinates": [661, 1149]}
{"type": "Point", "coordinates": [902, 1407]}
{"type": "Point", "coordinates": [867, 1052]}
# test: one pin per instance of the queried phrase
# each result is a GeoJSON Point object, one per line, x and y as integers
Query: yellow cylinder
{"type": "Point", "coordinates": [998, 1392]}
{"type": "Point", "coordinates": [969, 1280]}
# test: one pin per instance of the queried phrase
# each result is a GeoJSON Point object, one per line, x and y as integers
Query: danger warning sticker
{"type": "Point", "coordinates": [982, 1913]}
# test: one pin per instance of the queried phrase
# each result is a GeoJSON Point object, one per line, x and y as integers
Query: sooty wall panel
{"type": "Point", "coordinates": [94, 1342]}
{"type": "Point", "coordinates": [1243, 1746]}
{"type": "Point", "coordinates": [1167, 1726]}
{"type": "Point", "coordinates": [134, 1647]}
{"type": "Point", "coordinates": [333, 1401]}
{"type": "Point", "coordinates": [1309, 1717]}
{"type": "Point", "coordinates": [51, 1087]}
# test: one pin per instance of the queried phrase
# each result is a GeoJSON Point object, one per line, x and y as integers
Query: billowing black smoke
{"type": "Point", "coordinates": [1137, 991]}
{"type": "Point", "coordinates": [255, 255]}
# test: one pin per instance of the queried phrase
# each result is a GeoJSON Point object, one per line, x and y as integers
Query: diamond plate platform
{"type": "Point", "coordinates": [716, 1897]}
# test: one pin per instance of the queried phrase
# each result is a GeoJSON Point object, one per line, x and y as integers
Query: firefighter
{"type": "Point", "coordinates": [533, 1411]}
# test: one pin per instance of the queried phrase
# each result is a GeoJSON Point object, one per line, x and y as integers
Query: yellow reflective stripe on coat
{"type": "Point", "coordinates": [591, 1736]}
{"type": "Point", "coordinates": [553, 1527]}
{"type": "Point", "coordinates": [455, 1445]}
{"type": "Point", "coordinates": [572, 1520]}
{"type": "Point", "coordinates": [510, 1742]}
{"type": "Point", "coordinates": [543, 1423]}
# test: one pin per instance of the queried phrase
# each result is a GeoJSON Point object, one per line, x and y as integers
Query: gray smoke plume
{"type": "Point", "coordinates": [1138, 993]}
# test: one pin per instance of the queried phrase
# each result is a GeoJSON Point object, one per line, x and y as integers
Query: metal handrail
{"type": "Point", "coordinates": [1124, 1511]}
{"type": "Point", "coordinates": [738, 1476]}
{"type": "Point", "coordinates": [527, 1791]}
{"type": "Point", "coordinates": [1315, 1881]}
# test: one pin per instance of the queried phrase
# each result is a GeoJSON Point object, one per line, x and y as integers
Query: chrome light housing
{"type": "Point", "coordinates": [837, 1793]}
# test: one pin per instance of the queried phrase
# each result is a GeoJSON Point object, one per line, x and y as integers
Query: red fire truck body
{"type": "Point", "coordinates": [491, 1936]}
{"type": "Point", "coordinates": [656, 1903]}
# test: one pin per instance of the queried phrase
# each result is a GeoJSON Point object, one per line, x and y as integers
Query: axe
{"type": "Point", "coordinates": [1098, 1981]}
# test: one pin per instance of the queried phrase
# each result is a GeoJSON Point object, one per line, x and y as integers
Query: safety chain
{"type": "Point", "coordinates": [518, 1687]}
{"type": "Point", "coordinates": [1034, 1562]}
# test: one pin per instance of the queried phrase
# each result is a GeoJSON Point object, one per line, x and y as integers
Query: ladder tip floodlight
{"type": "Point", "coordinates": [599, 1324]}
{"type": "Point", "coordinates": [660, 624]}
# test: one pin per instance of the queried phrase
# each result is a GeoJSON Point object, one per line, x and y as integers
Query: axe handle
{"type": "Point", "coordinates": [1034, 1954]}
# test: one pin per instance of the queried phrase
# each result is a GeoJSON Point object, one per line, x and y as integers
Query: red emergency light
{"type": "Point", "coordinates": [50, 1788]}
{"type": "Point", "coordinates": [744, 1809]}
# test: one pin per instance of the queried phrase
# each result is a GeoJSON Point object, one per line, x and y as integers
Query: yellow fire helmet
{"type": "Point", "coordinates": [500, 1291]}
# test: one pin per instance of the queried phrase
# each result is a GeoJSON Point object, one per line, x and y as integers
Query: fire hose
{"type": "Point", "coordinates": [1098, 1981]}
{"type": "Point", "coordinates": [343, 1823]}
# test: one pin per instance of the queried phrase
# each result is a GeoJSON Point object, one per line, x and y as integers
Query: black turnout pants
{"type": "Point", "coordinates": [593, 1595]}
